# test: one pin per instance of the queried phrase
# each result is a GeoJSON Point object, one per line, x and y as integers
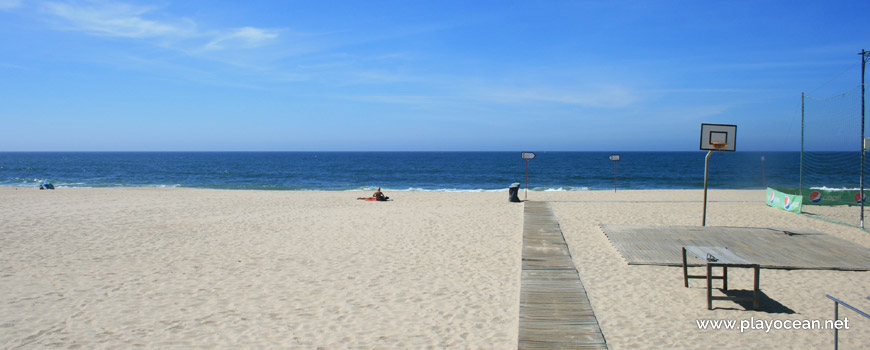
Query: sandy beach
{"type": "Point", "coordinates": [196, 268]}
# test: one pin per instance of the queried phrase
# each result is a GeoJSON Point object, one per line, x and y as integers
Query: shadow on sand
{"type": "Point", "coordinates": [767, 304]}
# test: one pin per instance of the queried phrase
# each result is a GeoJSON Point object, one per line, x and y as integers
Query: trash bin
{"type": "Point", "coordinates": [513, 192]}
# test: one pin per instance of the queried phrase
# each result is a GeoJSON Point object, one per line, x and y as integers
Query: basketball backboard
{"type": "Point", "coordinates": [718, 137]}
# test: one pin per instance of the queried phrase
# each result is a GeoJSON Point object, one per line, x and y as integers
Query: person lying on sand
{"type": "Point", "coordinates": [378, 196]}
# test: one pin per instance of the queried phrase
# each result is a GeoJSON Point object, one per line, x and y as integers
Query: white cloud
{"type": "Point", "coordinates": [160, 27]}
{"type": "Point", "coordinates": [687, 114]}
{"type": "Point", "coordinates": [245, 37]}
{"type": "Point", "coordinates": [10, 66]}
{"type": "Point", "coordinates": [414, 100]}
{"type": "Point", "coordinates": [118, 20]}
{"type": "Point", "coordinates": [604, 97]}
{"type": "Point", "coordinates": [702, 90]}
{"type": "Point", "coordinates": [9, 4]}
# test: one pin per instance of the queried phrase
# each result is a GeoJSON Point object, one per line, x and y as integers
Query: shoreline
{"type": "Point", "coordinates": [410, 189]}
{"type": "Point", "coordinates": [184, 267]}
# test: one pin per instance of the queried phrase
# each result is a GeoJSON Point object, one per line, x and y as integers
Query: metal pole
{"type": "Point", "coordinates": [527, 180]}
{"type": "Point", "coordinates": [801, 184]}
{"type": "Point", "coordinates": [863, 64]}
{"type": "Point", "coordinates": [836, 331]}
{"type": "Point", "coordinates": [706, 163]}
{"type": "Point", "coordinates": [614, 176]}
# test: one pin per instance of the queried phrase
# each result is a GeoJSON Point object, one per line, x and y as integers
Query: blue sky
{"type": "Point", "coordinates": [419, 76]}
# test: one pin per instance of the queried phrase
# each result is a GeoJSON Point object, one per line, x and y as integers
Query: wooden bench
{"type": "Point", "coordinates": [719, 257]}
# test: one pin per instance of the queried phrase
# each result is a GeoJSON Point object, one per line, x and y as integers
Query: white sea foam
{"type": "Point", "coordinates": [560, 189]}
{"type": "Point", "coordinates": [34, 182]}
{"type": "Point", "coordinates": [418, 189]}
{"type": "Point", "coordinates": [825, 188]}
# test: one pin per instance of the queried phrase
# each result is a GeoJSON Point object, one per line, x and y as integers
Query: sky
{"type": "Point", "coordinates": [418, 76]}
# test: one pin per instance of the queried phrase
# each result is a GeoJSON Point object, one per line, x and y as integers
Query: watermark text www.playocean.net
{"type": "Point", "coordinates": [767, 325]}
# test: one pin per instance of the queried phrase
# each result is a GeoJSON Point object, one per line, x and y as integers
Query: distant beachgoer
{"type": "Point", "coordinates": [378, 196]}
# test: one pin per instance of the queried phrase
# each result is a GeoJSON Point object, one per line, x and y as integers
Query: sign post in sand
{"type": "Point", "coordinates": [527, 156]}
{"type": "Point", "coordinates": [715, 137]}
{"type": "Point", "coordinates": [614, 158]}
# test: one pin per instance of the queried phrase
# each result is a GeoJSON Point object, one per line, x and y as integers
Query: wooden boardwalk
{"type": "Point", "coordinates": [770, 248]}
{"type": "Point", "coordinates": [554, 310]}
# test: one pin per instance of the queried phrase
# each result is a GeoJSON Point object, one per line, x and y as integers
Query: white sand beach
{"type": "Point", "coordinates": [194, 268]}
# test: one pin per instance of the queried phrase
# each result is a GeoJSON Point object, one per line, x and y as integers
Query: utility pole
{"type": "Point", "coordinates": [864, 57]}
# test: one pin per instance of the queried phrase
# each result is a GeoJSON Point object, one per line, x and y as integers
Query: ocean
{"type": "Point", "coordinates": [420, 171]}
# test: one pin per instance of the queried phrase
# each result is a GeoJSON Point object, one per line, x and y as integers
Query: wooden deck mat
{"type": "Point", "coordinates": [770, 248]}
{"type": "Point", "coordinates": [554, 310]}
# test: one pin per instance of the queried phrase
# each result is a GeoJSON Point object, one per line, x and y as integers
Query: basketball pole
{"type": "Point", "coordinates": [721, 133]}
{"type": "Point", "coordinates": [706, 163]}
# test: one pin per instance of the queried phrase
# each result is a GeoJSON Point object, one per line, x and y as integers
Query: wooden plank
{"type": "Point", "coordinates": [722, 255]}
{"type": "Point", "coordinates": [770, 248]}
{"type": "Point", "coordinates": [554, 310]}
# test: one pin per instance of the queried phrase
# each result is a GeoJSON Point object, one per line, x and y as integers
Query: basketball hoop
{"type": "Point", "coordinates": [719, 145]}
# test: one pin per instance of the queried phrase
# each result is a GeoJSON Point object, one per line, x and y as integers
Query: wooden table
{"type": "Point", "coordinates": [719, 257]}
